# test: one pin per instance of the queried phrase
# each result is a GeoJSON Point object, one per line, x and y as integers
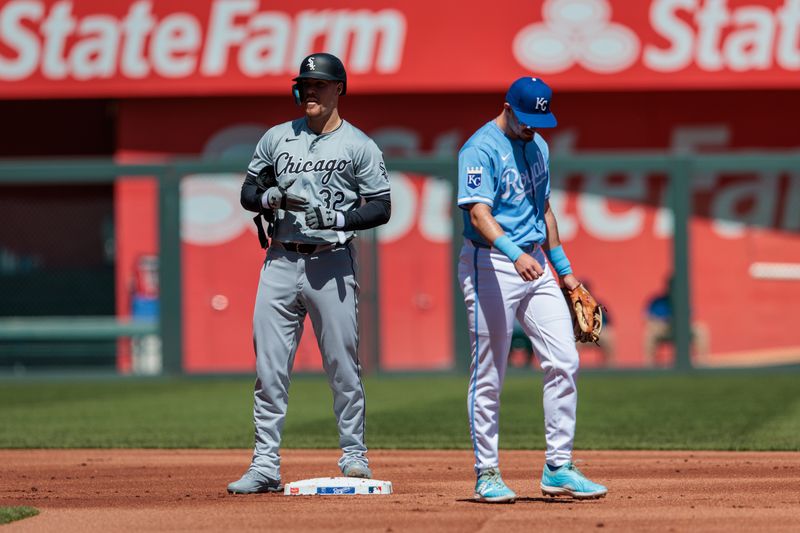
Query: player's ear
{"type": "Point", "coordinates": [339, 88]}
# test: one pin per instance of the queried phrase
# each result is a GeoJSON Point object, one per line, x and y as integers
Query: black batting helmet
{"type": "Point", "coordinates": [323, 66]}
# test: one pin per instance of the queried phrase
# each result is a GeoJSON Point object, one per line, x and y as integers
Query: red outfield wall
{"type": "Point", "coordinates": [615, 228]}
{"type": "Point", "coordinates": [210, 75]}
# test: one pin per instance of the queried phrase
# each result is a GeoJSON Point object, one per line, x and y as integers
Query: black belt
{"type": "Point", "coordinates": [527, 249]}
{"type": "Point", "coordinates": [307, 249]}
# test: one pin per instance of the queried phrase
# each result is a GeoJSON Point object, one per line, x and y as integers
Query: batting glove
{"type": "Point", "coordinates": [273, 198]}
{"type": "Point", "coordinates": [320, 217]}
{"type": "Point", "coordinates": [278, 198]}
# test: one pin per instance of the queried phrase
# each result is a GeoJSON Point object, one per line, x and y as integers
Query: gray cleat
{"type": "Point", "coordinates": [357, 469]}
{"type": "Point", "coordinates": [252, 483]}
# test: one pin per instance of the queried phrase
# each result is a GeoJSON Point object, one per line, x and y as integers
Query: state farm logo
{"type": "Point", "coordinates": [60, 40]}
{"type": "Point", "coordinates": [576, 32]}
{"type": "Point", "coordinates": [709, 35]}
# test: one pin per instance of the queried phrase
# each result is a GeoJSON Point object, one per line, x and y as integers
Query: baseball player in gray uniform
{"type": "Point", "coordinates": [315, 180]}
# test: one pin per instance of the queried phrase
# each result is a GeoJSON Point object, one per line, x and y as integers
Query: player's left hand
{"type": "Point", "coordinates": [570, 281]}
{"type": "Point", "coordinates": [587, 314]}
{"type": "Point", "coordinates": [320, 217]}
{"type": "Point", "coordinates": [294, 202]}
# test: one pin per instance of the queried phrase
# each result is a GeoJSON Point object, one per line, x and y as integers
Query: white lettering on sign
{"type": "Point", "coordinates": [427, 209]}
{"type": "Point", "coordinates": [708, 34]}
{"type": "Point", "coordinates": [610, 207]}
{"type": "Point", "coordinates": [22, 41]}
{"type": "Point", "coordinates": [615, 207]}
{"type": "Point", "coordinates": [175, 44]}
{"type": "Point", "coordinates": [716, 37]}
{"type": "Point", "coordinates": [729, 221]}
{"type": "Point", "coordinates": [51, 40]}
{"type": "Point", "coordinates": [404, 207]}
{"type": "Point", "coordinates": [435, 221]}
{"type": "Point", "coordinates": [137, 25]}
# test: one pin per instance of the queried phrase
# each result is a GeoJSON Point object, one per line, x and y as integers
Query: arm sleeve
{"type": "Point", "coordinates": [251, 194]}
{"type": "Point", "coordinates": [370, 173]}
{"type": "Point", "coordinates": [475, 178]}
{"type": "Point", "coordinates": [376, 211]}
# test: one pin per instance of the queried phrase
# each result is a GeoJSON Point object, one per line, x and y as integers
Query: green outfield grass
{"type": "Point", "coordinates": [9, 514]}
{"type": "Point", "coordinates": [671, 412]}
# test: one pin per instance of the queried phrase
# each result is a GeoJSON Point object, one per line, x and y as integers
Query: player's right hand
{"type": "Point", "coordinates": [277, 198]}
{"type": "Point", "coordinates": [272, 198]}
{"type": "Point", "coordinates": [528, 268]}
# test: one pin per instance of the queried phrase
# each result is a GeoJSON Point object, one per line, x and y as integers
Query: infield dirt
{"type": "Point", "coordinates": [170, 490]}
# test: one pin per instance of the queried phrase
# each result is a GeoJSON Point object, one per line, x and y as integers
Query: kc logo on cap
{"type": "Point", "coordinates": [530, 99]}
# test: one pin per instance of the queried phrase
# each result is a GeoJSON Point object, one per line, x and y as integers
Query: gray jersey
{"type": "Point", "coordinates": [335, 170]}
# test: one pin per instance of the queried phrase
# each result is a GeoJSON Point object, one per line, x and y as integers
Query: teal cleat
{"type": "Point", "coordinates": [569, 481]}
{"type": "Point", "coordinates": [490, 488]}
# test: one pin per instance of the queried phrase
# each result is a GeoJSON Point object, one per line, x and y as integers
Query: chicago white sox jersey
{"type": "Point", "coordinates": [335, 170]}
{"type": "Point", "coordinates": [510, 176]}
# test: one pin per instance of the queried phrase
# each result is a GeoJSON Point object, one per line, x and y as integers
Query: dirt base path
{"type": "Point", "coordinates": [173, 490]}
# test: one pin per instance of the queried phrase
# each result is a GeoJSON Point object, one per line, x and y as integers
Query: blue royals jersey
{"type": "Point", "coordinates": [510, 176]}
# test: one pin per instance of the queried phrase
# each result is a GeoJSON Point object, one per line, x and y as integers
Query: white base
{"type": "Point", "coordinates": [337, 486]}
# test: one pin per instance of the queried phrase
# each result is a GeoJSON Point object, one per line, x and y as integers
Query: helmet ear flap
{"type": "Point", "coordinates": [298, 97]}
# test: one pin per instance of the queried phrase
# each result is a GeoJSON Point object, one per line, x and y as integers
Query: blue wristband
{"type": "Point", "coordinates": [559, 260]}
{"type": "Point", "coordinates": [511, 250]}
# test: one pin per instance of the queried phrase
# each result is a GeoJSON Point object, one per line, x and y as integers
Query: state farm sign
{"type": "Point", "coordinates": [750, 37]}
{"type": "Point", "coordinates": [710, 35]}
{"type": "Point", "coordinates": [91, 48]}
{"type": "Point", "coordinates": [59, 44]}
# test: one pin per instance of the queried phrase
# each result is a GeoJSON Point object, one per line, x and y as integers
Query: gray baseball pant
{"type": "Point", "coordinates": [324, 286]}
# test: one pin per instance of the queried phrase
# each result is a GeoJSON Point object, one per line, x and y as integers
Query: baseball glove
{"type": "Point", "coordinates": [587, 314]}
{"type": "Point", "coordinates": [266, 178]}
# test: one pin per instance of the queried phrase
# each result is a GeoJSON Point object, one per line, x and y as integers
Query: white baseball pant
{"type": "Point", "coordinates": [495, 295]}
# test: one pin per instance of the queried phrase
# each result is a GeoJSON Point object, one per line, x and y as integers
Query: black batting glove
{"type": "Point", "coordinates": [320, 217]}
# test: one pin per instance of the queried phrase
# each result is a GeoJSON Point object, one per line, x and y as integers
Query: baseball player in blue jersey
{"type": "Point", "coordinates": [509, 229]}
{"type": "Point", "coordinates": [315, 180]}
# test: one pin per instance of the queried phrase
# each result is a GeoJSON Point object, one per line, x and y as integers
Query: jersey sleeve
{"type": "Point", "coordinates": [475, 178]}
{"type": "Point", "coordinates": [370, 171]}
{"type": "Point", "coordinates": [262, 156]}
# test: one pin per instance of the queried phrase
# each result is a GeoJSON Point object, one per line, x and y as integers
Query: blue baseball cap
{"type": "Point", "coordinates": [530, 100]}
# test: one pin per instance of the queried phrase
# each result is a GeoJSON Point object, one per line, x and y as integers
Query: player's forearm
{"type": "Point", "coordinates": [250, 197]}
{"type": "Point", "coordinates": [374, 212]}
{"type": "Point", "coordinates": [555, 252]}
{"type": "Point", "coordinates": [552, 241]}
{"type": "Point", "coordinates": [484, 223]}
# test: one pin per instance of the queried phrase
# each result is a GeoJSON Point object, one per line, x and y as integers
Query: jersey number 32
{"type": "Point", "coordinates": [332, 200]}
